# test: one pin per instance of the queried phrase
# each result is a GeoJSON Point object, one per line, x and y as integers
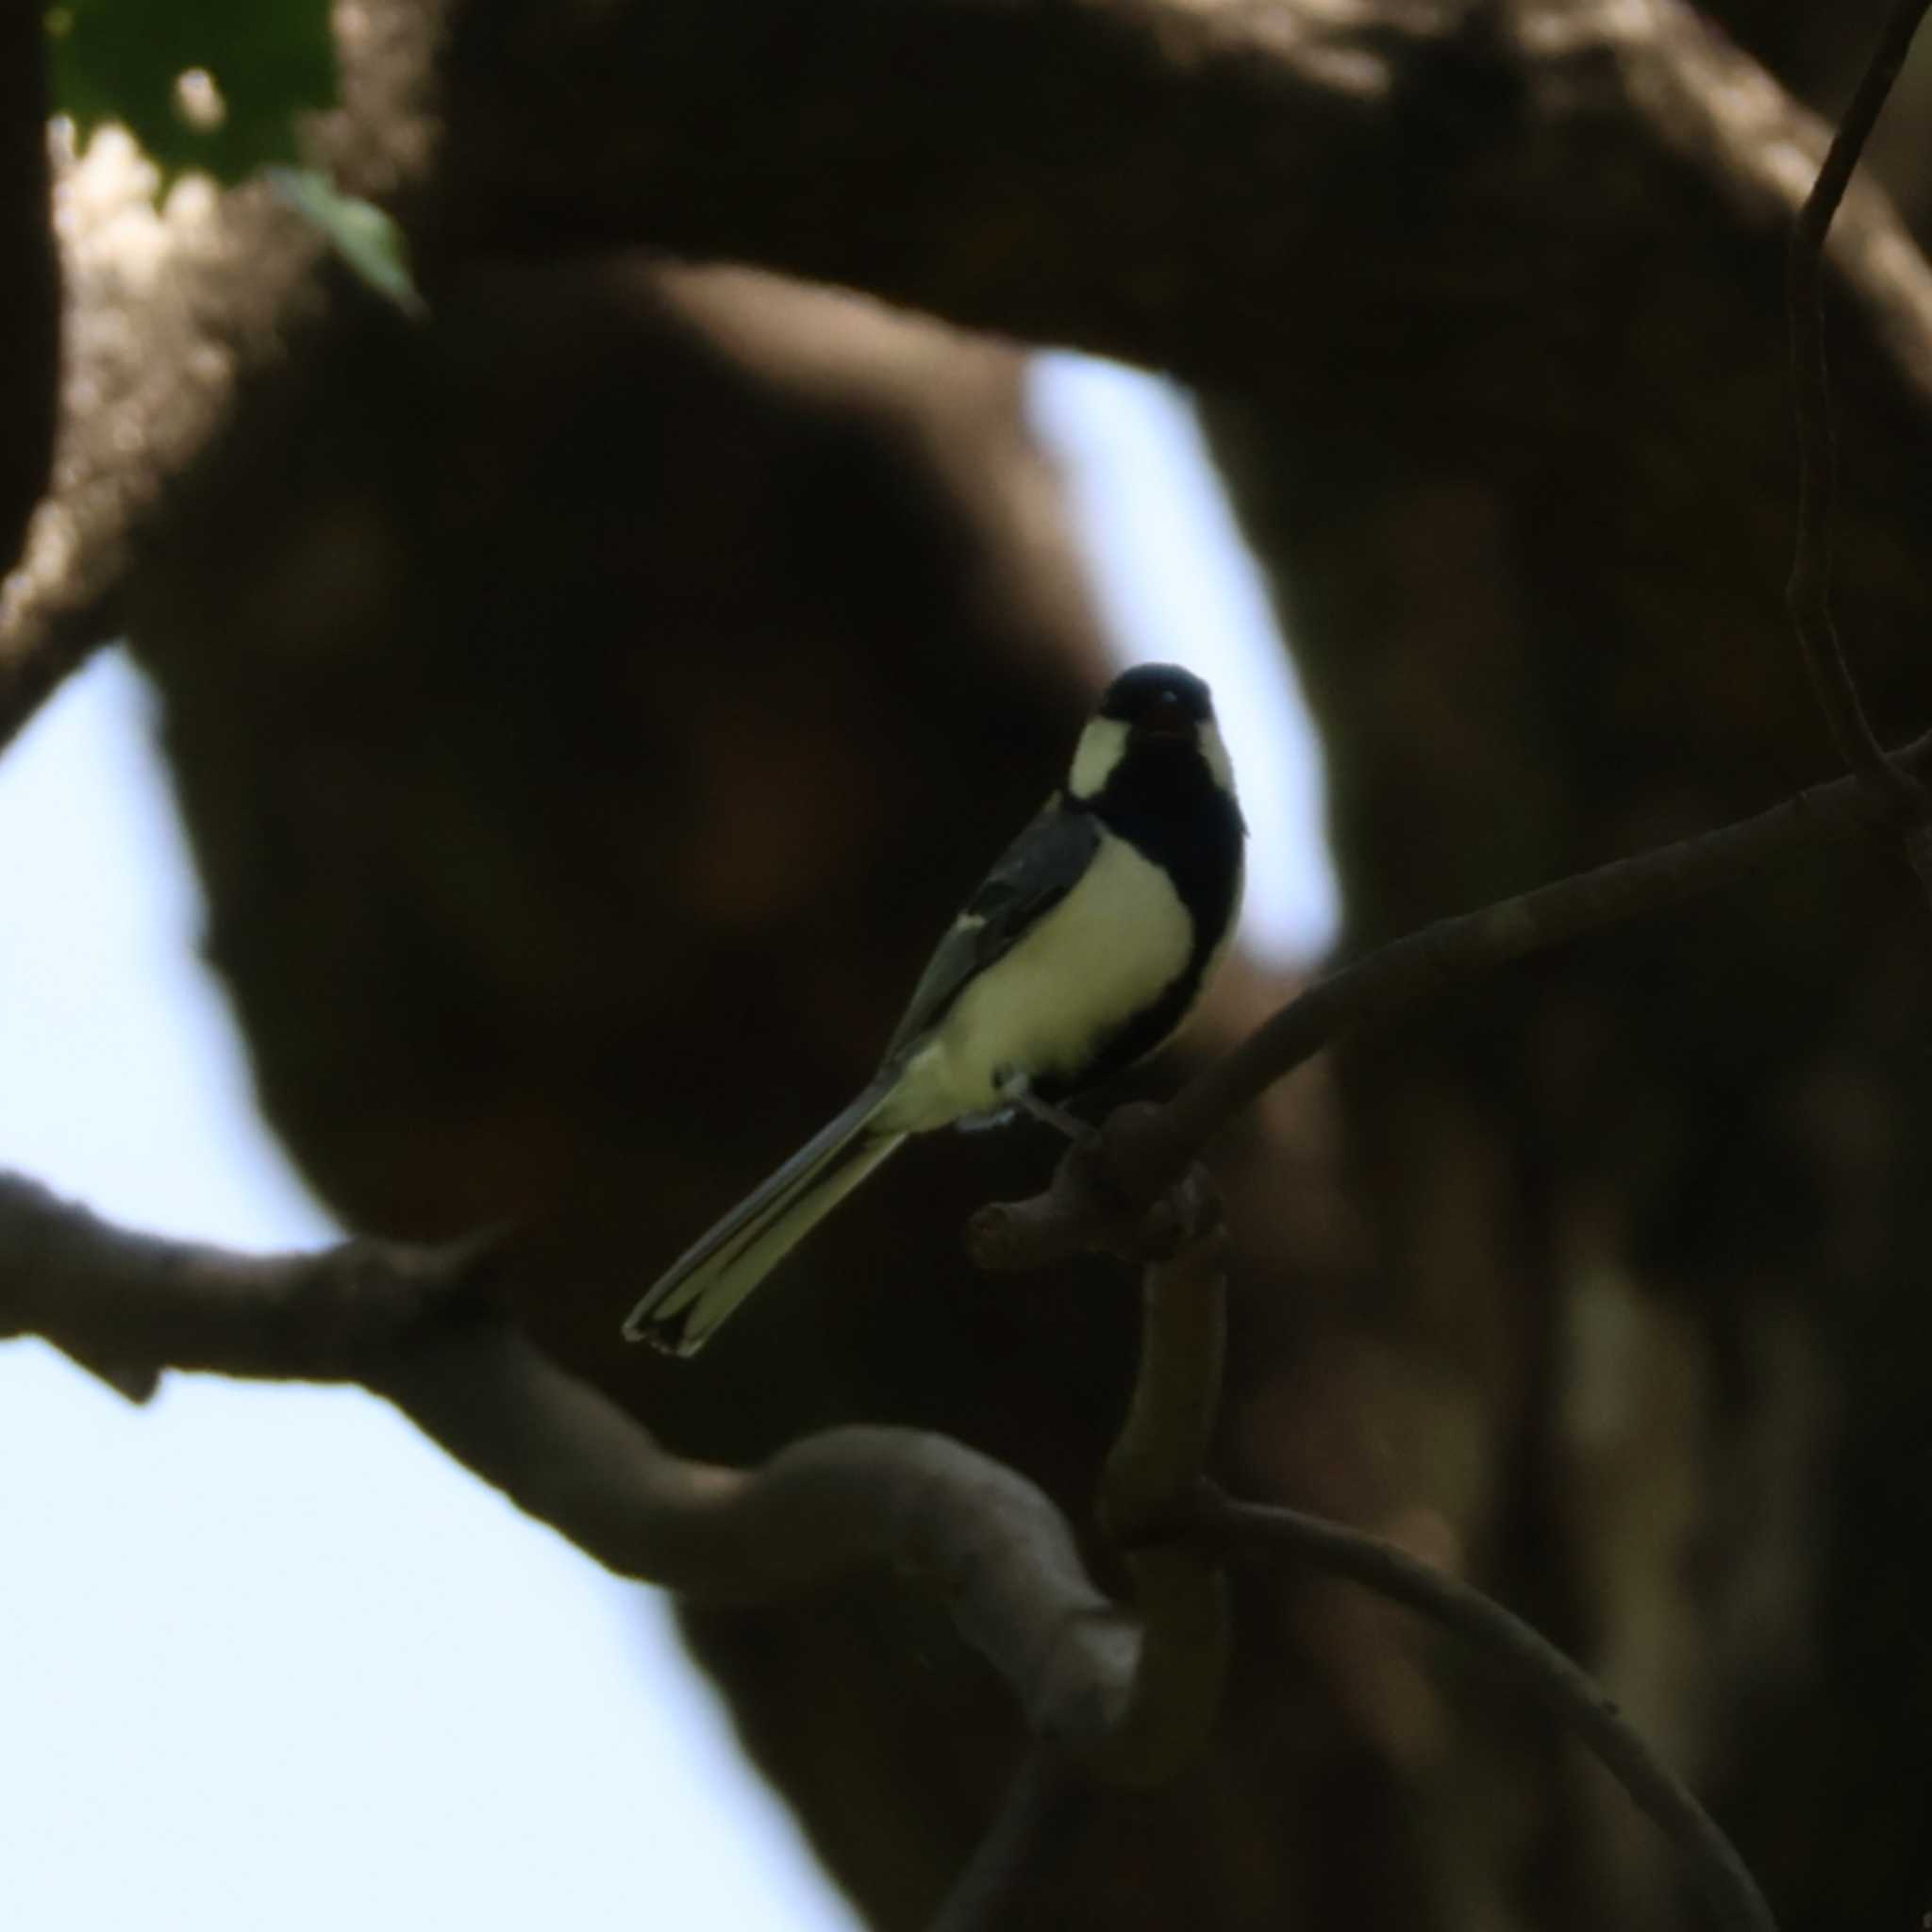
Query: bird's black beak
{"type": "Point", "coordinates": [1165, 718]}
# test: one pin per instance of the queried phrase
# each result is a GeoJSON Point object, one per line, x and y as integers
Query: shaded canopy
{"type": "Point", "coordinates": [586, 706]}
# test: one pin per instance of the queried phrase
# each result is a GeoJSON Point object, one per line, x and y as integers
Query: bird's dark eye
{"type": "Point", "coordinates": [1165, 716]}
{"type": "Point", "coordinates": [1156, 700]}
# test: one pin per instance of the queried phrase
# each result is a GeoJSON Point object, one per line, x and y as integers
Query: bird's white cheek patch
{"type": "Point", "coordinates": [1108, 950]}
{"type": "Point", "coordinates": [1102, 746]}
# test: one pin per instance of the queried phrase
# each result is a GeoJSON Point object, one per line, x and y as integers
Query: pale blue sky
{"type": "Point", "coordinates": [253, 1632]}
{"type": "Point", "coordinates": [1176, 582]}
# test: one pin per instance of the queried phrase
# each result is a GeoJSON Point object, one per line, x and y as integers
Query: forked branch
{"type": "Point", "coordinates": [1124, 1696]}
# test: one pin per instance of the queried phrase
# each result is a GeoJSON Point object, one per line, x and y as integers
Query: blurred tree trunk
{"type": "Point", "coordinates": [29, 271]}
{"type": "Point", "coordinates": [588, 707]}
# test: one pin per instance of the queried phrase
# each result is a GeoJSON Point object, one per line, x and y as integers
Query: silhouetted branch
{"type": "Point", "coordinates": [1155, 1471]}
{"type": "Point", "coordinates": [1125, 1699]}
{"type": "Point", "coordinates": [1808, 591]}
{"type": "Point", "coordinates": [417, 1326]}
{"type": "Point", "coordinates": [998, 1553]}
{"type": "Point", "coordinates": [1235, 1529]}
{"type": "Point", "coordinates": [1156, 1466]}
{"type": "Point", "coordinates": [1035, 1817]}
{"type": "Point", "coordinates": [1099, 1193]}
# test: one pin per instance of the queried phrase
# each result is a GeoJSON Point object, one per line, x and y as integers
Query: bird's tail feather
{"type": "Point", "coordinates": [707, 1282]}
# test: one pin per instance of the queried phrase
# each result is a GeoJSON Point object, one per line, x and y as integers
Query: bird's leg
{"type": "Point", "coordinates": [1017, 1091]}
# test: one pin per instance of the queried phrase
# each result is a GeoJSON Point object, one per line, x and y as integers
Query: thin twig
{"type": "Point", "coordinates": [1809, 591]}
{"type": "Point", "coordinates": [1234, 1529]}
{"type": "Point", "coordinates": [1459, 952]}
{"type": "Point", "coordinates": [1035, 1818]}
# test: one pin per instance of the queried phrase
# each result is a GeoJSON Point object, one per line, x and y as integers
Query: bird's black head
{"type": "Point", "coordinates": [1157, 701]}
{"type": "Point", "coordinates": [1151, 720]}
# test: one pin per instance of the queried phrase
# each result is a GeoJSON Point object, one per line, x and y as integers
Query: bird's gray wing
{"type": "Point", "coordinates": [1031, 877]}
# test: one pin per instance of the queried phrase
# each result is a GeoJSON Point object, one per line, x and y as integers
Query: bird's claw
{"type": "Point", "coordinates": [1018, 1092]}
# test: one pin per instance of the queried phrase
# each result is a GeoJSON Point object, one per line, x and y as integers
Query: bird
{"type": "Point", "coordinates": [1082, 952]}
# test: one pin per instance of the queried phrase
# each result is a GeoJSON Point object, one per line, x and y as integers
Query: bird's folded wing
{"type": "Point", "coordinates": [1034, 873]}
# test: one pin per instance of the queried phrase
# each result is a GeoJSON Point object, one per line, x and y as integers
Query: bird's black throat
{"type": "Point", "coordinates": [1163, 800]}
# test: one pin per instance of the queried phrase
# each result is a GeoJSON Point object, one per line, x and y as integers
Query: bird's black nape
{"type": "Point", "coordinates": [1150, 691]}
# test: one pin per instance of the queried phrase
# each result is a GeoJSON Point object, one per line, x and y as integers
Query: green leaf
{"type": "Point", "coordinates": [359, 231]}
{"type": "Point", "coordinates": [124, 60]}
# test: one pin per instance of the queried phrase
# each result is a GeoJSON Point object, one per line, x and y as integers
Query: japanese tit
{"type": "Point", "coordinates": [1083, 950]}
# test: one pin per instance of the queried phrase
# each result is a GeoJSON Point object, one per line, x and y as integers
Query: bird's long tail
{"type": "Point", "coordinates": [707, 1282]}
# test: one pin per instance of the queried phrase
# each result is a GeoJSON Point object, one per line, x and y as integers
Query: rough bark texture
{"type": "Point", "coordinates": [173, 318]}
{"type": "Point", "coordinates": [588, 707]}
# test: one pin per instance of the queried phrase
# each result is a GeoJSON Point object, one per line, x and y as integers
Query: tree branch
{"type": "Point", "coordinates": [1099, 1193]}
{"type": "Point", "coordinates": [890, 149]}
{"type": "Point", "coordinates": [1036, 1814]}
{"type": "Point", "coordinates": [598, 128]}
{"type": "Point", "coordinates": [170, 316]}
{"type": "Point", "coordinates": [419, 1327]}
{"type": "Point", "coordinates": [1808, 591]}
{"type": "Point", "coordinates": [1157, 1464]}
{"type": "Point", "coordinates": [1124, 1701]}
{"type": "Point", "coordinates": [1234, 1530]}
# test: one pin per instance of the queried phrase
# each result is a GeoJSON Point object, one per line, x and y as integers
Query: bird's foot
{"type": "Point", "coordinates": [1018, 1092]}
